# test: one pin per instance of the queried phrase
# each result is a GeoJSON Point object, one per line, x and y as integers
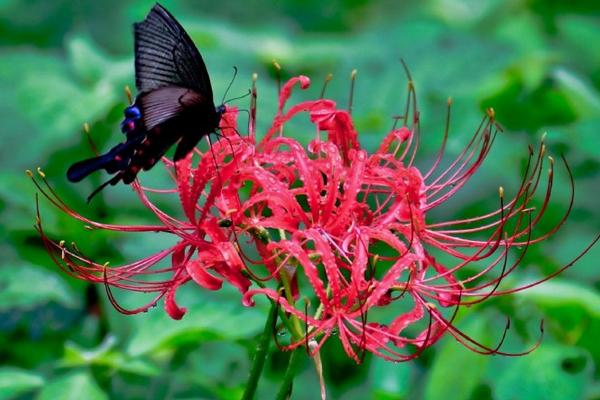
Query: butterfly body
{"type": "Point", "coordinates": [174, 104]}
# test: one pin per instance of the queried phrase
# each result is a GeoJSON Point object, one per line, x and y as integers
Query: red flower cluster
{"type": "Point", "coordinates": [340, 238]}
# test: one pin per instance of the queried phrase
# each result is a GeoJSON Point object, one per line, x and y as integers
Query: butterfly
{"type": "Point", "coordinates": [174, 103]}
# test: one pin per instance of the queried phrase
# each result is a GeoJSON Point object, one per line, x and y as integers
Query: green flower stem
{"type": "Point", "coordinates": [287, 285]}
{"type": "Point", "coordinates": [263, 235]}
{"type": "Point", "coordinates": [260, 356]}
{"type": "Point", "coordinates": [263, 345]}
{"type": "Point", "coordinates": [282, 315]}
{"type": "Point", "coordinates": [290, 374]}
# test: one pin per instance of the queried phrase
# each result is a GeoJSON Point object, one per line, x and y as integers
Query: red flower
{"type": "Point", "coordinates": [343, 234]}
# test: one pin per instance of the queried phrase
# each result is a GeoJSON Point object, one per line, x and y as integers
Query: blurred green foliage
{"type": "Point", "coordinates": [537, 62]}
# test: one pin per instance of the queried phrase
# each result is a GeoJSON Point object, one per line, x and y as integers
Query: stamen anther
{"type": "Point", "coordinates": [128, 94]}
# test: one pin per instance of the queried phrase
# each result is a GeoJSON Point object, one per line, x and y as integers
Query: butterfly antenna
{"type": "Point", "coordinates": [235, 71]}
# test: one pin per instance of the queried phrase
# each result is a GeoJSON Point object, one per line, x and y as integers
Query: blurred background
{"type": "Point", "coordinates": [63, 63]}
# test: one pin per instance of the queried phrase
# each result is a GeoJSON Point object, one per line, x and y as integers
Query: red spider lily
{"type": "Point", "coordinates": [343, 234]}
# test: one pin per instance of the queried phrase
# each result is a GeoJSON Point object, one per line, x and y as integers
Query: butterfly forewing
{"type": "Point", "coordinates": [166, 56]}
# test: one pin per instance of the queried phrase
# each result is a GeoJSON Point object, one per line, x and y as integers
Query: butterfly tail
{"type": "Point", "coordinates": [81, 169]}
{"type": "Point", "coordinates": [116, 159]}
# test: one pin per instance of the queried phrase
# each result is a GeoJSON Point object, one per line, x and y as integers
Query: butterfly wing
{"type": "Point", "coordinates": [166, 56]}
{"type": "Point", "coordinates": [168, 115]}
{"type": "Point", "coordinates": [160, 105]}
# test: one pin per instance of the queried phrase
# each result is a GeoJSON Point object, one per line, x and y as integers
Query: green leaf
{"type": "Point", "coordinates": [560, 293]}
{"type": "Point", "coordinates": [73, 386]}
{"type": "Point", "coordinates": [105, 355]}
{"type": "Point", "coordinates": [217, 316]}
{"type": "Point", "coordinates": [578, 31]}
{"type": "Point", "coordinates": [43, 98]}
{"type": "Point", "coordinates": [25, 286]}
{"type": "Point", "coordinates": [456, 369]}
{"type": "Point", "coordinates": [391, 380]}
{"type": "Point", "coordinates": [465, 12]}
{"type": "Point", "coordinates": [92, 66]}
{"type": "Point", "coordinates": [581, 94]}
{"type": "Point", "coordinates": [15, 382]}
{"type": "Point", "coordinates": [551, 372]}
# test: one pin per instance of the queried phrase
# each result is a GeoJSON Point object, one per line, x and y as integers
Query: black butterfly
{"type": "Point", "coordinates": [174, 102]}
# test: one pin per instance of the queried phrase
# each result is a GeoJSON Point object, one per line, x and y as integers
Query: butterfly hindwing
{"type": "Point", "coordinates": [160, 105]}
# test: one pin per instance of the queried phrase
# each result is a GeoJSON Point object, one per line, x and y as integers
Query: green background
{"type": "Point", "coordinates": [63, 63]}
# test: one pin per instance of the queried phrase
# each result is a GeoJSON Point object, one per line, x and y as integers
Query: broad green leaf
{"type": "Point", "coordinates": [15, 382]}
{"type": "Point", "coordinates": [391, 380]}
{"type": "Point", "coordinates": [587, 134]}
{"type": "Point", "coordinates": [578, 31]}
{"type": "Point", "coordinates": [551, 372]}
{"type": "Point", "coordinates": [584, 98]}
{"type": "Point", "coordinates": [465, 12]}
{"type": "Point", "coordinates": [91, 65]}
{"type": "Point", "coordinates": [219, 316]}
{"type": "Point", "coordinates": [73, 386]}
{"type": "Point", "coordinates": [560, 293]}
{"type": "Point", "coordinates": [25, 286]}
{"type": "Point", "coordinates": [42, 97]}
{"type": "Point", "coordinates": [107, 356]}
{"type": "Point", "coordinates": [456, 369]}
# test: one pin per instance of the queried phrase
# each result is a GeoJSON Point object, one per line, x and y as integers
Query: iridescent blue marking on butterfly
{"type": "Point", "coordinates": [131, 121]}
{"type": "Point", "coordinates": [174, 103]}
{"type": "Point", "coordinates": [117, 158]}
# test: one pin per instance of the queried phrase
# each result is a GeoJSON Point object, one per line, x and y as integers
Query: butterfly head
{"type": "Point", "coordinates": [220, 109]}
